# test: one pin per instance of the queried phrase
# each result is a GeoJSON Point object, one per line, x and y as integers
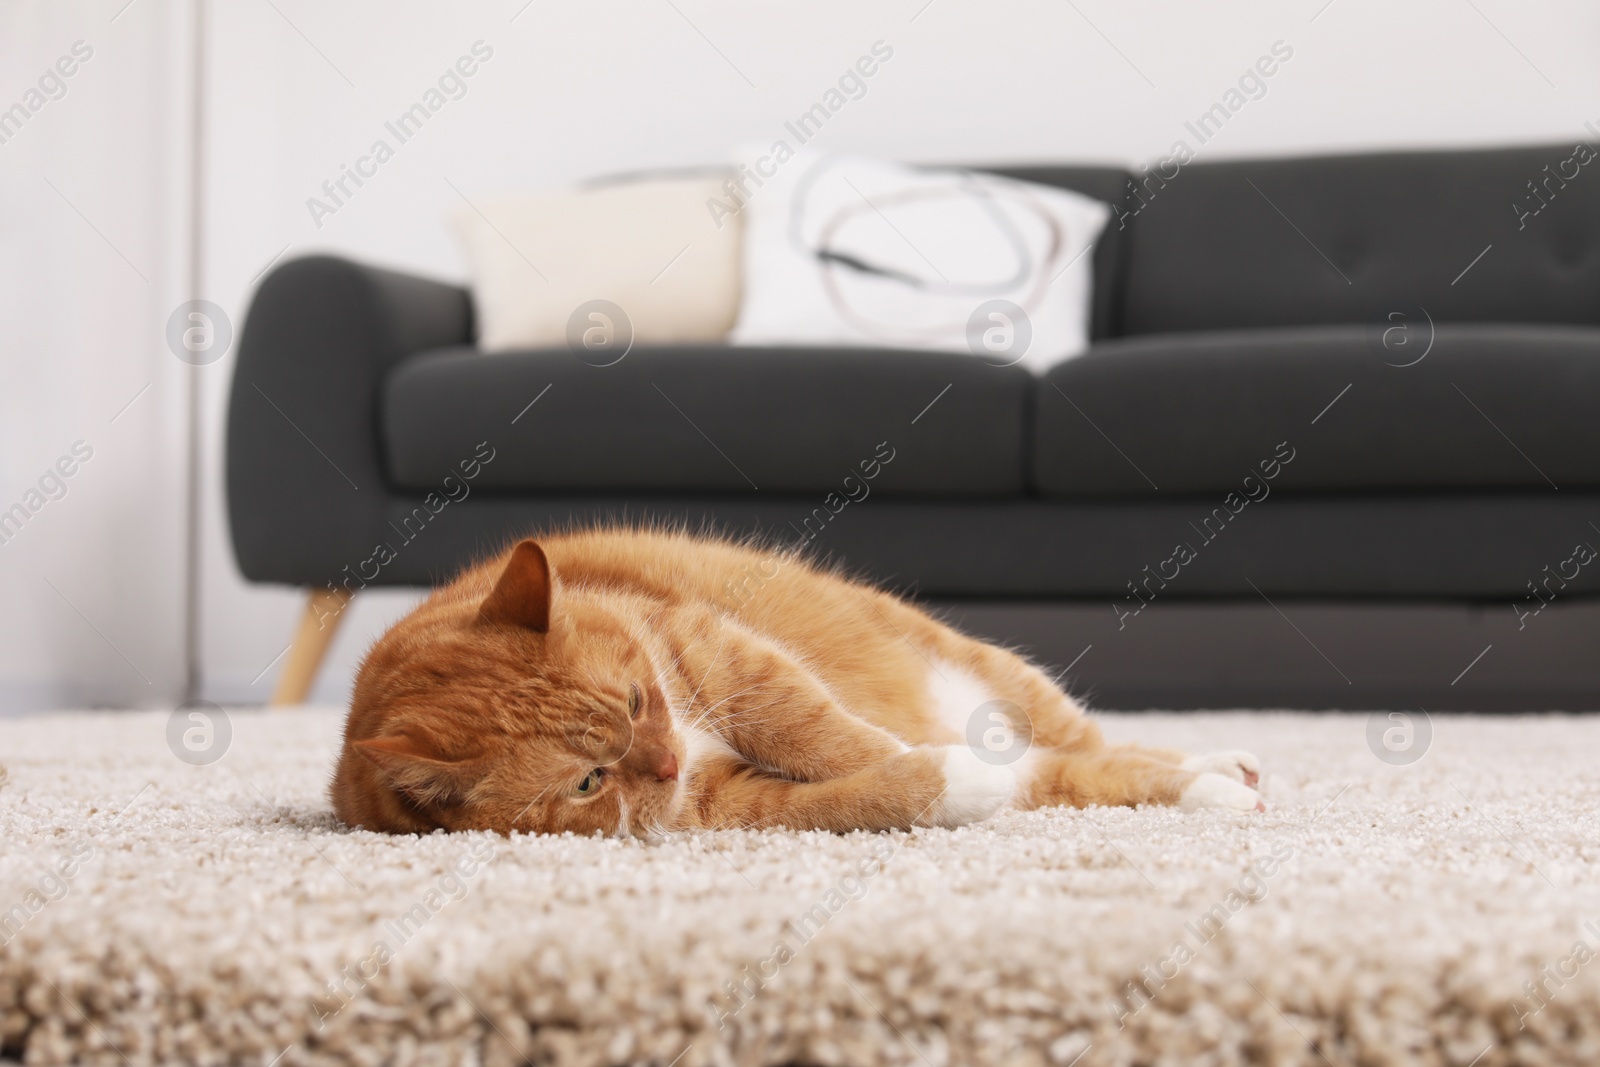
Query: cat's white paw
{"type": "Point", "coordinates": [1211, 790]}
{"type": "Point", "coordinates": [974, 789]}
{"type": "Point", "coordinates": [1240, 766]}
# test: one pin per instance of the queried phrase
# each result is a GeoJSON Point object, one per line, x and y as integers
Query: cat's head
{"type": "Point", "coordinates": [507, 703]}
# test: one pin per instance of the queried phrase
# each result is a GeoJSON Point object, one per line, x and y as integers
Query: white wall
{"type": "Point", "coordinates": [298, 87]}
{"type": "Point", "coordinates": [92, 260]}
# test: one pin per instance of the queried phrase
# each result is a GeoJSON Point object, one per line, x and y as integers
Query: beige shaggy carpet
{"type": "Point", "coordinates": [1445, 912]}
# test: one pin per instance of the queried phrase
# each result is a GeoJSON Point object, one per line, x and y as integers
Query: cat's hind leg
{"type": "Point", "coordinates": [1237, 764]}
{"type": "Point", "coordinates": [1124, 776]}
{"type": "Point", "coordinates": [1049, 717]}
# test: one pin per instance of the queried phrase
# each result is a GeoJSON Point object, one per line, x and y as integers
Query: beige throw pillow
{"type": "Point", "coordinates": [648, 246]}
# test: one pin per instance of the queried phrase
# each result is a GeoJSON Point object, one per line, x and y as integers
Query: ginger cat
{"type": "Point", "coordinates": [635, 681]}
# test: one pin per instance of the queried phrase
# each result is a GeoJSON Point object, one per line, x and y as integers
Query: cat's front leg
{"type": "Point", "coordinates": [773, 711]}
{"type": "Point", "coordinates": [936, 786]}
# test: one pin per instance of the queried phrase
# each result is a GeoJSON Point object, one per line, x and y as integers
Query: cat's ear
{"type": "Point", "coordinates": [418, 768]}
{"type": "Point", "coordinates": [521, 595]}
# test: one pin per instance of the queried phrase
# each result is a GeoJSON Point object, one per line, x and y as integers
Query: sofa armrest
{"type": "Point", "coordinates": [305, 474]}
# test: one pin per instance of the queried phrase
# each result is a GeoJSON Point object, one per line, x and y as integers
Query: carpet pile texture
{"type": "Point", "coordinates": [1441, 912]}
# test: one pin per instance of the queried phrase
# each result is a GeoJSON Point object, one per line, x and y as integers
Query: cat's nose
{"type": "Point", "coordinates": [667, 766]}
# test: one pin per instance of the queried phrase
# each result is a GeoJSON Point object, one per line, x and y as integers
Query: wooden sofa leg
{"type": "Point", "coordinates": [318, 625]}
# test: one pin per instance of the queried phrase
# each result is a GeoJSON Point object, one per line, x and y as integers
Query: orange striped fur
{"type": "Point", "coordinates": [629, 681]}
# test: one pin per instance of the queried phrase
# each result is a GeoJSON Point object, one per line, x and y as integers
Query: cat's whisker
{"type": "Point", "coordinates": [622, 815]}
{"type": "Point", "coordinates": [655, 833]}
{"type": "Point", "coordinates": [546, 791]}
{"type": "Point", "coordinates": [713, 665]}
{"type": "Point", "coordinates": [732, 696]}
{"type": "Point", "coordinates": [706, 722]}
{"type": "Point", "coordinates": [744, 714]}
{"type": "Point", "coordinates": [744, 720]}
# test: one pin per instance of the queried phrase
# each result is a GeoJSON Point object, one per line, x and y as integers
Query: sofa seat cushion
{"type": "Point", "coordinates": [710, 419]}
{"type": "Point", "coordinates": [1487, 407]}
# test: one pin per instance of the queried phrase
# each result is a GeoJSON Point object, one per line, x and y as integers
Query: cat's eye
{"type": "Point", "coordinates": [634, 700]}
{"type": "Point", "coordinates": [590, 783]}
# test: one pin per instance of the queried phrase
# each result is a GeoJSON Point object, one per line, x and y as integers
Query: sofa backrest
{"type": "Point", "coordinates": [1503, 235]}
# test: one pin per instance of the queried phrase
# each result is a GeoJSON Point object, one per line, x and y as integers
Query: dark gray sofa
{"type": "Point", "coordinates": [1244, 312]}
